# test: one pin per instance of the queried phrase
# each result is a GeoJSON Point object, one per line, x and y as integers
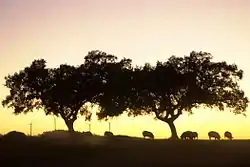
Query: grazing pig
{"type": "Point", "coordinates": [189, 135]}
{"type": "Point", "coordinates": [148, 134]}
{"type": "Point", "coordinates": [228, 135]}
{"type": "Point", "coordinates": [213, 134]}
{"type": "Point", "coordinates": [107, 133]}
{"type": "Point", "coordinates": [194, 135]}
{"type": "Point", "coordinates": [186, 135]}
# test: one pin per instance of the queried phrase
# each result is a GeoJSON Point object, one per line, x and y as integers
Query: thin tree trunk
{"type": "Point", "coordinates": [174, 135]}
{"type": "Point", "coordinates": [70, 125]}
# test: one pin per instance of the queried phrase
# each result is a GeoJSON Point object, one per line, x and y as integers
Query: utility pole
{"type": "Point", "coordinates": [89, 127]}
{"type": "Point", "coordinates": [54, 122]}
{"type": "Point", "coordinates": [109, 127]}
{"type": "Point", "coordinates": [30, 128]}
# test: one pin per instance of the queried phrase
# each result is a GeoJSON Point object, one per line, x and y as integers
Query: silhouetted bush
{"type": "Point", "coordinates": [66, 137]}
{"type": "Point", "coordinates": [60, 134]}
{"type": "Point", "coordinates": [123, 136]}
{"type": "Point", "coordinates": [14, 136]}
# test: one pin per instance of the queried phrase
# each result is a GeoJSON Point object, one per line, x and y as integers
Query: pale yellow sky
{"type": "Point", "coordinates": [146, 31]}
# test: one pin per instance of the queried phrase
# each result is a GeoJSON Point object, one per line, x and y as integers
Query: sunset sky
{"type": "Point", "coordinates": [63, 31]}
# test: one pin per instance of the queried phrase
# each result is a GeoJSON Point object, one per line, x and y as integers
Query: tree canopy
{"type": "Point", "coordinates": [60, 91]}
{"type": "Point", "coordinates": [113, 79]}
{"type": "Point", "coordinates": [64, 91]}
{"type": "Point", "coordinates": [166, 89]}
{"type": "Point", "coordinates": [181, 84]}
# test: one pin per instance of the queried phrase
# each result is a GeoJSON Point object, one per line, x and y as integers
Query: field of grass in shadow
{"type": "Point", "coordinates": [78, 150]}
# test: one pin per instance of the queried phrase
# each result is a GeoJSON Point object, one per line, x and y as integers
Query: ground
{"type": "Point", "coordinates": [124, 151]}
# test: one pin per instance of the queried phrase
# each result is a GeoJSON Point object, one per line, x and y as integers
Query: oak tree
{"type": "Point", "coordinates": [183, 83]}
{"type": "Point", "coordinates": [61, 91]}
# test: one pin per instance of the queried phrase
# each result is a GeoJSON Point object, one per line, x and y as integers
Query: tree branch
{"type": "Point", "coordinates": [175, 116]}
{"type": "Point", "coordinates": [158, 115]}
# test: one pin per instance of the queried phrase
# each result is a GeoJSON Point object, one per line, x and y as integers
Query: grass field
{"type": "Point", "coordinates": [123, 151]}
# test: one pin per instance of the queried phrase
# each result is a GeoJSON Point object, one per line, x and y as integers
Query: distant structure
{"type": "Point", "coordinates": [89, 126]}
{"type": "Point", "coordinates": [54, 122]}
{"type": "Point", "coordinates": [213, 134]}
{"type": "Point", "coordinates": [228, 135]}
{"type": "Point", "coordinates": [30, 128]}
{"type": "Point", "coordinates": [109, 127]}
{"type": "Point", "coordinates": [147, 134]}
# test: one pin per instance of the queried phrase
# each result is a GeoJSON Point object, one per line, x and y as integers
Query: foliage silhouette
{"type": "Point", "coordinates": [165, 90]}
{"type": "Point", "coordinates": [111, 81]}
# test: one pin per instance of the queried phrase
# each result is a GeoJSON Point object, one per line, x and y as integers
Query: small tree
{"type": "Point", "coordinates": [60, 91]}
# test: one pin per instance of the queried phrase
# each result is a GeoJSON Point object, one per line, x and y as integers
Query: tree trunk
{"type": "Point", "coordinates": [174, 135]}
{"type": "Point", "coordinates": [70, 125]}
